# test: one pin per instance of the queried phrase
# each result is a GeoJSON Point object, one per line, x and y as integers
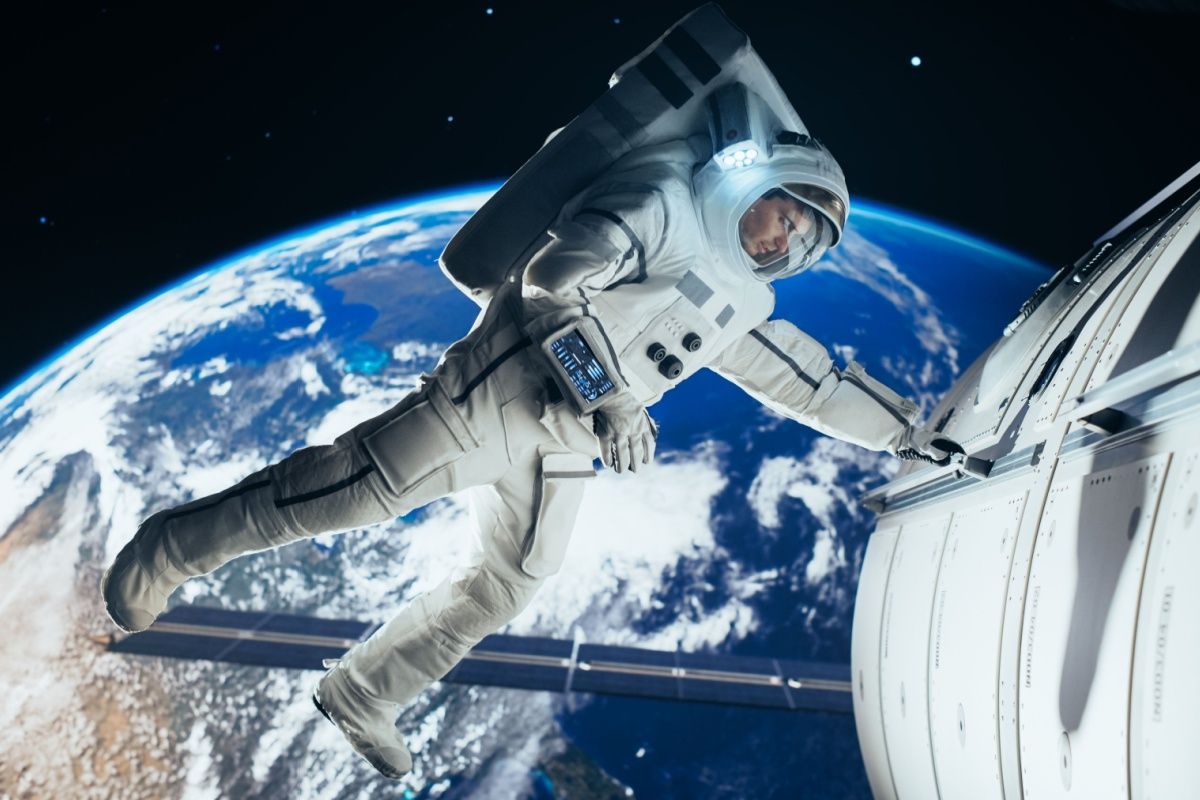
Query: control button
{"type": "Point", "coordinates": [692, 342]}
{"type": "Point", "coordinates": [656, 352]}
{"type": "Point", "coordinates": [671, 367]}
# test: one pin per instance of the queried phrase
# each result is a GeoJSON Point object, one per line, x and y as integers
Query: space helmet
{"type": "Point", "coordinates": [754, 155]}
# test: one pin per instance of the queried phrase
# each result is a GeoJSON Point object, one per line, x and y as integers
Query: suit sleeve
{"type": "Point", "coordinates": [603, 244]}
{"type": "Point", "coordinates": [791, 373]}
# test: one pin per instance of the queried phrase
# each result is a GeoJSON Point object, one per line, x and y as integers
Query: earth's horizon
{"type": "Point", "coordinates": [860, 206]}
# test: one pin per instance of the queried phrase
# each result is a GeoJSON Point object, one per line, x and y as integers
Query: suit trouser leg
{"type": "Point", "coordinates": [415, 452]}
{"type": "Point", "coordinates": [347, 484]}
{"type": "Point", "coordinates": [315, 490]}
{"type": "Point", "coordinates": [523, 522]}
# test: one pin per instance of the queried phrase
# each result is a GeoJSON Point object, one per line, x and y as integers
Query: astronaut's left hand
{"type": "Point", "coordinates": [627, 434]}
{"type": "Point", "coordinates": [919, 444]}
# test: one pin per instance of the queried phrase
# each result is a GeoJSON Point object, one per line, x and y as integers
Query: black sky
{"type": "Point", "coordinates": [156, 138]}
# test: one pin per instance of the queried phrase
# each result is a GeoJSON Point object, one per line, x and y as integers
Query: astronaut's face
{"type": "Point", "coordinates": [765, 226]}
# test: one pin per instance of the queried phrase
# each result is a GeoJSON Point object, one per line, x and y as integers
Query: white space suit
{"type": "Point", "coordinates": [646, 266]}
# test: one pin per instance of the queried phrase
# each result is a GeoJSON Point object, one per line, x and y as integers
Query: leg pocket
{"type": "Point", "coordinates": [561, 483]}
{"type": "Point", "coordinates": [523, 430]}
{"type": "Point", "coordinates": [422, 440]}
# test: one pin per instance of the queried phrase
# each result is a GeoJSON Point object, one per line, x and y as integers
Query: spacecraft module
{"type": "Point", "coordinates": [1028, 619]}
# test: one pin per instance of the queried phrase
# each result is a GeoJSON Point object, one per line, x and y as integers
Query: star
{"type": "Point", "coordinates": [489, 12]}
{"type": "Point", "coordinates": [450, 118]}
{"type": "Point", "coordinates": [915, 61]}
{"type": "Point", "coordinates": [616, 20]}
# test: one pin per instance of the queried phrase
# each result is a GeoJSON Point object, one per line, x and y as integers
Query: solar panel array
{"type": "Point", "coordinates": [518, 662]}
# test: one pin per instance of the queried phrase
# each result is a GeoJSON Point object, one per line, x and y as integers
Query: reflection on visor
{"type": "Point", "coordinates": [820, 198]}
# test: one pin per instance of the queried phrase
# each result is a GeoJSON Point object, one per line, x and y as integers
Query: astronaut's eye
{"type": "Point", "coordinates": [788, 223]}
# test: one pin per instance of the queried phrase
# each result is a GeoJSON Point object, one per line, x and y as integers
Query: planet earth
{"type": "Point", "coordinates": [745, 537]}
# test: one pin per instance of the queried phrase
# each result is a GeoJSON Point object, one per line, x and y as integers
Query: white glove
{"type": "Point", "coordinates": [919, 444]}
{"type": "Point", "coordinates": [626, 432]}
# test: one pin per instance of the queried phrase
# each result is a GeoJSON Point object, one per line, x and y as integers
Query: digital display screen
{"type": "Point", "coordinates": [587, 374]}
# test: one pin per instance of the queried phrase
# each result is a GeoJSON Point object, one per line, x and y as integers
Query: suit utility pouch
{"type": "Point", "coordinates": [423, 439]}
{"type": "Point", "coordinates": [561, 483]}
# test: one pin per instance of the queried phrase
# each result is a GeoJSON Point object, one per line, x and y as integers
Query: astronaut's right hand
{"type": "Point", "coordinates": [919, 444]}
{"type": "Point", "coordinates": [626, 432]}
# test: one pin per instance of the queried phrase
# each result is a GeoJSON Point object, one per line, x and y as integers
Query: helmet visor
{"type": "Point", "coordinates": [809, 235]}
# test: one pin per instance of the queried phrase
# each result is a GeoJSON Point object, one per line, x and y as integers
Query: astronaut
{"type": "Point", "coordinates": [659, 268]}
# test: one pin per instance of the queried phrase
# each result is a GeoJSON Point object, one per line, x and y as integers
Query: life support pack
{"type": "Point", "coordinates": [656, 97]}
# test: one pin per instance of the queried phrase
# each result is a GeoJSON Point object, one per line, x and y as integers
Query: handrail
{"type": "Point", "coordinates": [1171, 366]}
{"type": "Point", "coordinates": [961, 465]}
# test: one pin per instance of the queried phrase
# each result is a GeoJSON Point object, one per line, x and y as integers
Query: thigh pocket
{"type": "Point", "coordinates": [561, 482]}
{"type": "Point", "coordinates": [423, 439]}
{"type": "Point", "coordinates": [522, 427]}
